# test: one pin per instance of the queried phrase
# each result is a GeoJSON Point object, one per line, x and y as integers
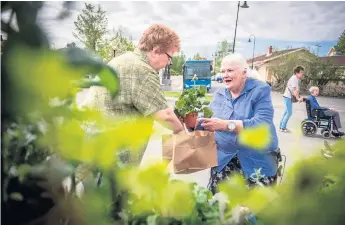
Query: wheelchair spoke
{"type": "Point", "coordinates": [309, 128]}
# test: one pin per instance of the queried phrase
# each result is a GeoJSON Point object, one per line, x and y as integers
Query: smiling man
{"type": "Point", "coordinates": [140, 91]}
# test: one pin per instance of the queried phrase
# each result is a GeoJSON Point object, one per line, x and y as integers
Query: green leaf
{"type": "Point", "coordinates": [180, 103]}
{"type": "Point", "coordinates": [152, 220]}
{"type": "Point", "coordinates": [91, 64]}
{"type": "Point", "coordinates": [202, 90]}
{"type": "Point", "coordinates": [16, 196]}
{"type": "Point", "coordinates": [193, 100]}
{"type": "Point", "coordinates": [207, 112]}
{"type": "Point", "coordinates": [23, 170]}
{"type": "Point", "coordinates": [52, 168]}
{"type": "Point", "coordinates": [256, 137]}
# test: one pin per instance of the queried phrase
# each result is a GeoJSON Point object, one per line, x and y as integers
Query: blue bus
{"type": "Point", "coordinates": [199, 68]}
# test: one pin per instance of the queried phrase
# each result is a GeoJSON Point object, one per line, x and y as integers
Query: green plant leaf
{"type": "Point", "coordinates": [16, 196]}
{"type": "Point", "coordinates": [23, 170]}
{"type": "Point", "coordinates": [180, 104]}
{"type": "Point", "coordinates": [207, 112]}
{"type": "Point", "coordinates": [91, 64]}
{"type": "Point", "coordinates": [193, 100]}
{"type": "Point", "coordinates": [257, 137]}
{"type": "Point", "coordinates": [152, 220]}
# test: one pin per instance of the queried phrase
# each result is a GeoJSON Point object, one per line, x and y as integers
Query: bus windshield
{"type": "Point", "coordinates": [201, 69]}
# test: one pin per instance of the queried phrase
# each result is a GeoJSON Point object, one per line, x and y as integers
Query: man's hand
{"type": "Point", "coordinates": [213, 124]}
{"type": "Point", "coordinates": [333, 109]}
{"type": "Point", "coordinates": [168, 119]}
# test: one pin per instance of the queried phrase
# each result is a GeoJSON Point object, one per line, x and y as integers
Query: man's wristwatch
{"type": "Point", "coordinates": [231, 126]}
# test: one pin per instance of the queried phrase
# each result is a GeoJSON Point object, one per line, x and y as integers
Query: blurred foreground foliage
{"type": "Point", "coordinates": [40, 120]}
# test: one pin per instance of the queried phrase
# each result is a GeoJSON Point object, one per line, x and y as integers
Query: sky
{"type": "Point", "coordinates": [201, 24]}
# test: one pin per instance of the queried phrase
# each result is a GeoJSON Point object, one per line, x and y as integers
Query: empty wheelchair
{"type": "Point", "coordinates": [316, 119]}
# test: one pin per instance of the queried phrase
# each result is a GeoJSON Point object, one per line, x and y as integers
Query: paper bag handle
{"type": "Point", "coordinates": [193, 132]}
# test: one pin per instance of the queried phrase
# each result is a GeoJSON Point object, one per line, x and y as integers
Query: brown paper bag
{"type": "Point", "coordinates": [167, 147]}
{"type": "Point", "coordinates": [194, 151]}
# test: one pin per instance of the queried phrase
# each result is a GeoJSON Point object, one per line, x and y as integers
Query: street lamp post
{"type": "Point", "coordinates": [215, 61]}
{"type": "Point", "coordinates": [317, 50]}
{"type": "Point", "coordinates": [253, 48]}
{"type": "Point", "coordinates": [245, 6]}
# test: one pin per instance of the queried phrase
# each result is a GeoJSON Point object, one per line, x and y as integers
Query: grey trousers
{"type": "Point", "coordinates": [336, 117]}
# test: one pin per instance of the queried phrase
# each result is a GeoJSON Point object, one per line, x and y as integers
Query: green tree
{"type": "Point", "coordinates": [223, 48]}
{"type": "Point", "coordinates": [178, 62]}
{"type": "Point", "coordinates": [319, 72]}
{"type": "Point", "coordinates": [118, 44]}
{"type": "Point", "coordinates": [340, 47]}
{"type": "Point", "coordinates": [323, 72]}
{"type": "Point", "coordinates": [91, 26]}
{"type": "Point", "coordinates": [282, 69]}
{"type": "Point", "coordinates": [198, 57]}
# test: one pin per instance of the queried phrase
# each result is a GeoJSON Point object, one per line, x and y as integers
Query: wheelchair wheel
{"type": "Point", "coordinates": [326, 134]}
{"type": "Point", "coordinates": [323, 130]}
{"type": "Point", "coordinates": [309, 128]}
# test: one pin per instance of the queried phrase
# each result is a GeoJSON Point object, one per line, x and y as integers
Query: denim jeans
{"type": "Point", "coordinates": [287, 113]}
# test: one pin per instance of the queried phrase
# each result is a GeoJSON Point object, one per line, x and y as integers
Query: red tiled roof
{"type": "Point", "coordinates": [274, 54]}
{"type": "Point", "coordinates": [336, 60]}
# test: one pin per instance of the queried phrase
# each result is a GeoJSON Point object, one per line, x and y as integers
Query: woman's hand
{"type": "Point", "coordinates": [333, 109]}
{"type": "Point", "coordinates": [213, 124]}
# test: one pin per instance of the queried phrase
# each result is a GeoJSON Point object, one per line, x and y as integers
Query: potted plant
{"type": "Point", "coordinates": [190, 103]}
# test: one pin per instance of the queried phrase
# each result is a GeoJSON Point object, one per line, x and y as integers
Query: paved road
{"type": "Point", "coordinates": [293, 145]}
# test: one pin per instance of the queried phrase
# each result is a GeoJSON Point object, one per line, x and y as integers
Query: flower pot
{"type": "Point", "coordinates": [191, 120]}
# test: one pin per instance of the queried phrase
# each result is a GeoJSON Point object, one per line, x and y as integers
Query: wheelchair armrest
{"type": "Point", "coordinates": [277, 154]}
{"type": "Point", "coordinates": [318, 113]}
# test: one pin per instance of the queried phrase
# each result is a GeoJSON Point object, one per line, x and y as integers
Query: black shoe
{"type": "Point", "coordinates": [337, 133]}
{"type": "Point", "coordinates": [284, 130]}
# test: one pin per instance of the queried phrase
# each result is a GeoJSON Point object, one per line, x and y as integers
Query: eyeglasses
{"type": "Point", "coordinates": [169, 56]}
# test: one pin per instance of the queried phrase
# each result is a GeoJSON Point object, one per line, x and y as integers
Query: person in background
{"type": "Point", "coordinates": [314, 92]}
{"type": "Point", "coordinates": [243, 103]}
{"type": "Point", "coordinates": [291, 91]}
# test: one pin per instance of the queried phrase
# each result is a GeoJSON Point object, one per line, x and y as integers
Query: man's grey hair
{"type": "Point", "coordinates": [312, 89]}
{"type": "Point", "coordinates": [237, 59]}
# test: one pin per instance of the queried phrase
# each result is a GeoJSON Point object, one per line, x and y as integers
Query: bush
{"type": "Point", "coordinates": [174, 73]}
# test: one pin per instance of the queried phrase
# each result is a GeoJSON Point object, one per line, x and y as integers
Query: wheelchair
{"type": "Point", "coordinates": [281, 163]}
{"type": "Point", "coordinates": [317, 119]}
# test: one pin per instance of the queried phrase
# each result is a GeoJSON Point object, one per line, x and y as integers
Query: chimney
{"type": "Point", "coordinates": [269, 52]}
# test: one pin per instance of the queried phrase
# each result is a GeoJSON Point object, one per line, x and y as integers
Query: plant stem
{"type": "Point", "coordinates": [116, 198]}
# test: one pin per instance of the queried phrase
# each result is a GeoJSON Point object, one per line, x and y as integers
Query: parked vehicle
{"type": "Point", "coordinates": [198, 73]}
{"type": "Point", "coordinates": [219, 78]}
